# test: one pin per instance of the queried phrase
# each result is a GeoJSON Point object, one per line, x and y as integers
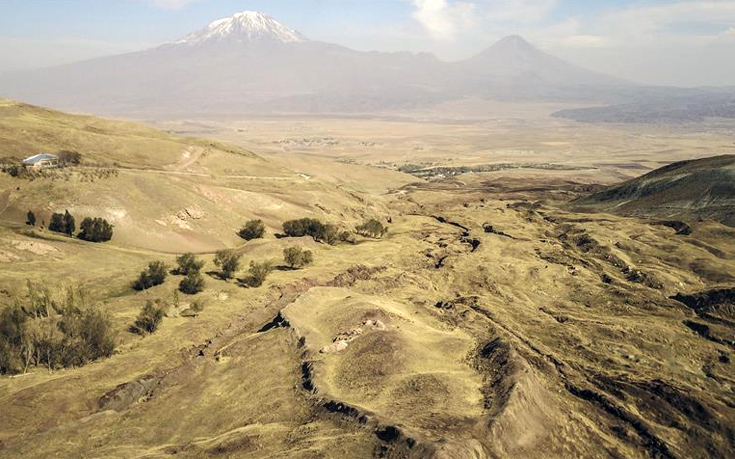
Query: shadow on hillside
{"type": "Point", "coordinates": [285, 268]}
{"type": "Point", "coordinates": [215, 275]}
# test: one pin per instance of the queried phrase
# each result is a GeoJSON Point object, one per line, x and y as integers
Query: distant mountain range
{"type": "Point", "coordinates": [252, 64]}
{"type": "Point", "coordinates": [678, 106]}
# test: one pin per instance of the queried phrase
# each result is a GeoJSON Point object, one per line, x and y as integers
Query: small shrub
{"type": "Point", "coordinates": [197, 305]}
{"type": "Point", "coordinates": [228, 261]}
{"type": "Point", "coordinates": [347, 237]}
{"type": "Point", "coordinates": [194, 309]}
{"type": "Point", "coordinates": [329, 235]}
{"type": "Point", "coordinates": [254, 229]}
{"type": "Point", "coordinates": [95, 230]}
{"type": "Point", "coordinates": [31, 218]}
{"type": "Point", "coordinates": [149, 319]}
{"type": "Point", "coordinates": [296, 257]}
{"type": "Point", "coordinates": [69, 158]}
{"type": "Point", "coordinates": [191, 284]}
{"type": "Point", "coordinates": [14, 170]}
{"type": "Point", "coordinates": [372, 228]}
{"type": "Point", "coordinates": [154, 275]}
{"type": "Point", "coordinates": [258, 273]}
{"type": "Point", "coordinates": [188, 263]}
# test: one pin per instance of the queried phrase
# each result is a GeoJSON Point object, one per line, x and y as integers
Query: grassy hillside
{"type": "Point", "coordinates": [689, 190]}
{"type": "Point", "coordinates": [488, 322]}
{"type": "Point", "coordinates": [553, 336]}
{"type": "Point", "coordinates": [160, 191]}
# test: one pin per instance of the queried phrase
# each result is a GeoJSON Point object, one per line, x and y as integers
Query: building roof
{"type": "Point", "coordinates": [35, 159]}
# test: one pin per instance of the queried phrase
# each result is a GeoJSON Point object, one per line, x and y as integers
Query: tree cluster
{"type": "Point", "coordinates": [320, 232]}
{"type": "Point", "coordinates": [62, 223]}
{"type": "Point", "coordinates": [154, 274]}
{"type": "Point", "coordinates": [41, 330]}
{"type": "Point", "coordinates": [91, 229]}
{"type": "Point", "coordinates": [190, 267]}
{"type": "Point", "coordinates": [95, 230]}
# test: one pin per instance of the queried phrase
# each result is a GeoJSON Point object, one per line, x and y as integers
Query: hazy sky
{"type": "Point", "coordinates": [660, 42]}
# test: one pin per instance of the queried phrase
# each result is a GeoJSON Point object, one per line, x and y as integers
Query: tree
{"type": "Point", "coordinates": [253, 229]}
{"type": "Point", "coordinates": [228, 261]}
{"type": "Point", "coordinates": [56, 223]}
{"type": "Point", "coordinates": [329, 235]}
{"type": "Point", "coordinates": [95, 230]}
{"type": "Point", "coordinates": [192, 283]}
{"type": "Point", "coordinates": [14, 343]}
{"type": "Point", "coordinates": [372, 228]}
{"type": "Point", "coordinates": [154, 275]}
{"type": "Point", "coordinates": [69, 224]}
{"type": "Point", "coordinates": [149, 319]}
{"type": "Point", "coordinates": [188, 263]}
{"type": "Point", "coordinates": [296, 257]}
{"type": "Point", "coordinates": [96, 334]}
{"type": "Point", "coordinates": [31, 218]}
{"type": "Point", "coordinates": [258, 273]}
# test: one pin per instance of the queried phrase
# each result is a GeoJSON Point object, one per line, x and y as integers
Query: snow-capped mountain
{"type": "Point", "coordinates": [252, 64]}
{"type": "Point", "coordinates": [245, 27]}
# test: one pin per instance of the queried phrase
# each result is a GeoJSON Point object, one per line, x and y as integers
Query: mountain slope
{"type": "Point", "coordinates": [514, 69]}
{"type": "Point", "coordinates": [696, 189]}
{"type": "Point", "coordinates": [250, 63]}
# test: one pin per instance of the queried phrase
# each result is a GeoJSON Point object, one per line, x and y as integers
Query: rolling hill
{"type": "Point", "coordinates": [490, 321]}
{"type": "Point", "coordinates": [687, 190]}
{"type": "Point", "coordinates": [160, 191]}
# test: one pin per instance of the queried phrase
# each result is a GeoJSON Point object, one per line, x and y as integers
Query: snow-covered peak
{"type": "Point", "coordinates": [245, 27]}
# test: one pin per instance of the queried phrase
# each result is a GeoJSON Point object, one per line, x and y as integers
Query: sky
{"type": "Point", "coordinates": [682, 43]}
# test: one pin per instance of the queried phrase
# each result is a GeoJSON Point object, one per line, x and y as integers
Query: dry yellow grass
{"type": "Point", "coordinates": [551, 336]}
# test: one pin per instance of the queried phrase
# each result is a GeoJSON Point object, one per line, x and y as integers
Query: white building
{"type": "Point", "coordinates": [41, 161]}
